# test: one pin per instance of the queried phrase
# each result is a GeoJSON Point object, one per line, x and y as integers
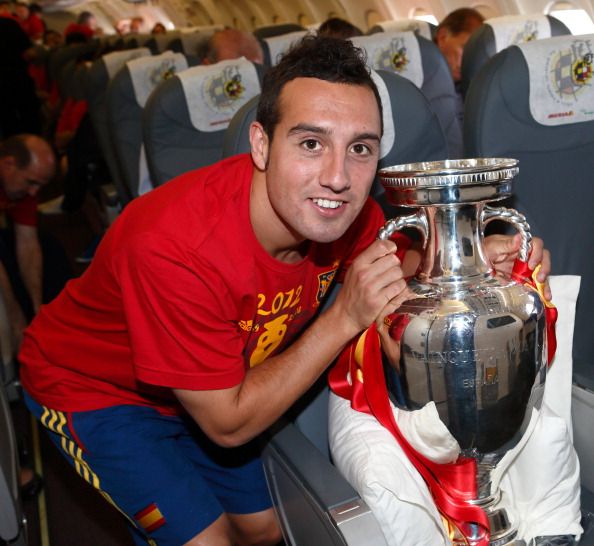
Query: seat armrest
{"type": "Point", "coordinates": [315, 504]}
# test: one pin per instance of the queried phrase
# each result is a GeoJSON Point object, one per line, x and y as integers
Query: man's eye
{"type": "Point", "coordinates": [361, 149]}
{"type": "Point", "coordinates": [311, 144]}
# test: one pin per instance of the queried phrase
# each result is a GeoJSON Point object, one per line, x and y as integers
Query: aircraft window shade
{"type": "Point", "coordinates": [518, 29]}
{"type": "Point", "coordinates": [397, 52]}
{"type": "Point", "coordinates": [277, 45]}
{"type": "Point", "coordinates": [214, 93]}
{"type": "Point", "coordinates": [560, 76]}
{"type": "Point", "coordinates": [116, 60]}
{"type": "Point", "coordinates": [148, 72]}
{"type": "Point", "coordinates": [387, 142]}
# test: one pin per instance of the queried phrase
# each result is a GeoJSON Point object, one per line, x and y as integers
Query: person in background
{"type": "Point", "coordinates": [453, 33]}
{"type": "Point", "coordinates": [159, 28]}
{"type": "Point", "coordinates": [85, 24]}
{"type": "Point", "coordinates": [5, 10]}
{"type": "Point", "coordinates": [339, 28]}
{"type": "Point", "coordinates": [232, 44]}
{"type": "Point", "coordinates": [30, 22]}
{"type": "Point", "coordinates": [52, 39]}
{"type": "Point", "coordinates": [136, 25]}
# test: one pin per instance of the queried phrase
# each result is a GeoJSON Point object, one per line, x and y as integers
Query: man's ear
{"type": "Point", "coordinates": [259, 145]}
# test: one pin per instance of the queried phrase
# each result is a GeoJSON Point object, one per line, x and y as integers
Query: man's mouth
{"type": "Point", "coordinates": [327, 203]}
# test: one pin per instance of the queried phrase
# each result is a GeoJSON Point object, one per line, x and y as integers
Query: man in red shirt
{"type": "Point", "coordinates": [198, 323]}
{"type": "Point", "coordinates": [27, 163]}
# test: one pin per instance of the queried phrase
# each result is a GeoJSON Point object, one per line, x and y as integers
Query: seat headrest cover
{"type": "Point", "coordinates": [518, 29]}
{"type": "Point", "coordinates": [277, 45]}
{"type": "Point", "coordinates": [148, 72]}
{"type": "Point", "coordinates": [401, 25]}
{"type": "Point", "coordinates": [387, 142]}
{"type": "Point", "coordinates": [214, 93]}
{"type": "Point", "coordinates": [114, 61]}
{"type": "Point", "coordinates": [560, 75]}
{"type": "Point", "coordinates": [394, 51]}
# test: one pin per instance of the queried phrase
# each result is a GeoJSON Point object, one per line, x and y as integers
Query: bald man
{"type": "Point", "coordinates": [231, 44]}
{"type": "Point", "coordinates": [27, 163]}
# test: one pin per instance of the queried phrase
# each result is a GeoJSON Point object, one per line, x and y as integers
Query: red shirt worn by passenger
{"type": "Point", "coordinates": [23, 211]}
{"type": "Point", "coordinates": [179, 295]}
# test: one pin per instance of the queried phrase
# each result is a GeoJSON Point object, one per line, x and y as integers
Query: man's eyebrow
{"type": "Point", "coordinates": [305, 128]}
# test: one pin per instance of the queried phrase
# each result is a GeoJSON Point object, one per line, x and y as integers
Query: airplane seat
{"type": "Point", "coordinates": [185, 118]}
{"type": "Point", "coordinates": [535, 102]}
{"type": "Point", "coordinates": [62, 56]}
{"type": "Point", "coordinates": [13, 526]}
{"type": "Point", "coordinates": [498, 33]}
{"type": "Point", "coordinates": [269, 31]}
{"type": "Point", "coordinates": [274, 46]}
{"type": "Point", "coordinates": [97, 80]}
{"type": "Point", "coordinates": [126, 96]}
{"type": "Point", "coordinates": [315, 504]}
{"type": "Point", "coordinates": [419, 60]}
{"type": "Point", "coordinates": [423, 28]}
{"type": "Point", "coordinates": [161, 42]}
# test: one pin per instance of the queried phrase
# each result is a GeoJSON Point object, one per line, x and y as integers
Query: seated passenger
{"type": "Point", "coordinates": [231, 44]}
{"type": "Point", "coordinates": [159, 28]}
{"type": "Point", "coordinates": [338, 28]}
{"type": "Point", "coordinates": [197, 324]}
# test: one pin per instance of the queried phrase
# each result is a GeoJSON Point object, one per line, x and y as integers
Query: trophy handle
{"type": "Point", "coordinates": [417, 221]}
{"type": "Point", "coordinates": [516, 219]}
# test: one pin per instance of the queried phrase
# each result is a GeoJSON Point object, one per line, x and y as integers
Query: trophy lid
{"type": "Point", "coordinates": [449, 181]}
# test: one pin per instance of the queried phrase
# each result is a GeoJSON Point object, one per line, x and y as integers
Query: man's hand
{"type": "Point", "coordinates": [372, 286]}
{"type": "Point", "coordinates": [502, 251]}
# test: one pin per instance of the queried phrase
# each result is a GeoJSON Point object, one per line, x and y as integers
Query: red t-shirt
{"type": "Point", "coordinates": [23, 211]}
{"type": "Point", "coordinates": [180, 294]}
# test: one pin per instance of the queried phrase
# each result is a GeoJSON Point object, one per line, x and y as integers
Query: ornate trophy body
{"type": "Point", "coordinates": [473, 342]}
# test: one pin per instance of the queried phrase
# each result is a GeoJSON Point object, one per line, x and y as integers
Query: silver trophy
{"type": "Point", "coordinates": [474, 342]}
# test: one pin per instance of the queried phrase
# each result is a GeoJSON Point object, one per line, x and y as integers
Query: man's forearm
{"type": "Point", "coordinates": [30, 263]}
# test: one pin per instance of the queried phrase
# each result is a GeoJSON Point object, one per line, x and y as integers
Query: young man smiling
{"type": "Point", "coordinates": [197, 325]}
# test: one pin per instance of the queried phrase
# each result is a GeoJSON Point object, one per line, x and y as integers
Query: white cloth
{"type": "Point", "coordinates": [387, 142]}
{"type": "Point", "coordinates": [539, 478]}
{"type": "Point", "coordinates": [394, 51]}
{"type": "Point", "coordinates": [215, 92]}
{"type": "Point", "coordinates": [423, 28]}
{"type": "Point", "coordinates": [518, 29]}
{"type": "Point", "coordinates": [560, 72]}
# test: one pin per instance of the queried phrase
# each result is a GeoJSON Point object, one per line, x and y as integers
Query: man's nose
{"type": "Point", "coordinates": [335, 175]}
{"type": "Point", "coordinates": [33, 190]}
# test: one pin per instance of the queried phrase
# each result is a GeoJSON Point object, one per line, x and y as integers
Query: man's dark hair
{"type": "Point", "coordinates": [16, 146]}
{"type": "Point", "coordinates": [338, 28]}
{"type": "Point", "coordinates": [330, 59]}
{"type": "Point", "coordinates": [462, 20]}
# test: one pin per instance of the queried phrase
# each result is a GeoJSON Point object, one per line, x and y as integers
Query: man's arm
{"type": "Point", "coordinates": [16, 317]}
{"type": "Point", "coordinates": [233, 416]}
{"type": "Point", "coordinates": [29, 259]}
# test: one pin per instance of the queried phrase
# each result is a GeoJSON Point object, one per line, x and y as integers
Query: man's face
{"type": "Point", "coordinates": [452, 46]}
{"type": "Point", "coordinates": [20, 182]}
{"type": "Point", "coordinates": [322, 160]}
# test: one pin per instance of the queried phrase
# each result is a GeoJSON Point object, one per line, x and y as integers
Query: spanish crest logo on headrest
{"type": "Point", "coordinates": [527, 34]}
{"type": "Point", "coordinates": [222, 90]}
{"type": "Point", "coordinates": [394, 57]}
{"type": "Point", "coordinates": [571, 70]}
{"type": "Point", "coordinates": [162, 72]}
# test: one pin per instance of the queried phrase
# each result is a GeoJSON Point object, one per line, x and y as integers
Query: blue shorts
{"type": "Point", "coordinates": [161, 472]}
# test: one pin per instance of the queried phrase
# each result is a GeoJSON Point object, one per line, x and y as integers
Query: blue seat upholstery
{"type": "Point", "coordinates": [482, 45]}
{"type": "Point", "coordinates": [173, 142]}
{"type": "Point", "coordinates": [97, 80]}
{"type": "Point", "coordinates": [428, 69]}
{"type": "Point", "coordinates": [126, 97]}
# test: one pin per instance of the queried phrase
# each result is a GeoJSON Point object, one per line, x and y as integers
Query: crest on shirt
{"type": "Point", "coordinates": [324, 281]}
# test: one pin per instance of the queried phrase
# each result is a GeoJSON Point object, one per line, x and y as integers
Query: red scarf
{"type": "Point", "coordinates": [358, 376]}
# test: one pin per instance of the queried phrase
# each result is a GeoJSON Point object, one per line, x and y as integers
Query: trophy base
{"type": "Point", "coordinates": [502, 532]}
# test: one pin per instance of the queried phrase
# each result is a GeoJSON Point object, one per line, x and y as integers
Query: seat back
{"type": "Point", "coordinates": [193, 41]}
{"type": "Point", "coordinates": [12, 528]}
{"type": "Point", "coordinates": [269, 31]}
{"type": "Point", "coordinates": [419, 60]}
{"type": "Point", "coordinates": [98, 77]}
{"type": "Point", "coordinates": [127, 94]}
{"type": "Point", "coordinates": [500, 32]}
{"type": "Point", "coordinates": [274, 46]}
{"type": "Point", "coordinates": [423, 28]}
{"type": "Point", "coordinates": [185, 118]}
{"type": "Point", "coordinates": [535, 103]}
{"type": "Point", "coordinates": [161, 42]}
